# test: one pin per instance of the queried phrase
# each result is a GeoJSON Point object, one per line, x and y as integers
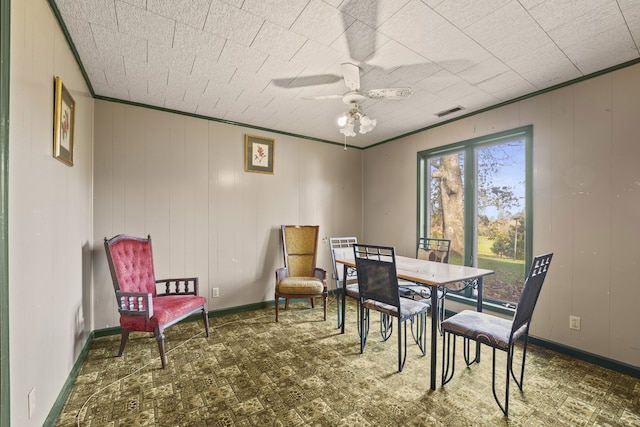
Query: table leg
{"type": "Point", "coordinates": [434, 333]}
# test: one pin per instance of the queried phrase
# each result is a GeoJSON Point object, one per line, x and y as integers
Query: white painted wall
{"type": "Point", "coordinates": [50, 214]}
{"type": "Point", "coordinates": [182, 180]}
{"type": "Point", "coordinates": [586, 204]}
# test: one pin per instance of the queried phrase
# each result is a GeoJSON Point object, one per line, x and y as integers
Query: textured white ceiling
{"type": "Point", "coordinates": [250, 61]}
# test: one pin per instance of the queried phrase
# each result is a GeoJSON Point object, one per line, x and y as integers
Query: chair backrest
{"type": "Point", "coordinates": [432, 249]}
{"type": "Point", "coordinates": [300, 244]}
{"type": "Point", "coordinates": [341, 247]}
{"type": "Point", "coordinates": [377, 276]}
{"type": "Point", "coordinates": [531, 291]}
{"type": "Point", "coordinates": [131, 263]}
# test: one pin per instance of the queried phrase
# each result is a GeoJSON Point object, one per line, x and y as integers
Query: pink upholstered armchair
{"type": "Point", "coordinates": [141, 307]}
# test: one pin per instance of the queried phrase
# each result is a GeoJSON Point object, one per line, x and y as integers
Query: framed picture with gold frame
{"type": "Point", "coordinates": [63, 123]}
{"type": "Point", "coordinates": [258, 154]}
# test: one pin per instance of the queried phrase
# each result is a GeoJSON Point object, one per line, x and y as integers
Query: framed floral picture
{"type": "Point", "coordinates": [63, 122]}
{"type": "Point", "coordinates": [258, 154]}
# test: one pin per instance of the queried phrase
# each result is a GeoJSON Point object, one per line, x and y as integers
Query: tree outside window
{"type": "Point", "coordinates": [474, 194]}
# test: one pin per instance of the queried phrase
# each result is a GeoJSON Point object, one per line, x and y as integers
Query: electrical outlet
{"type": "Point", "coordinates": [31, 402]}
{"type": "Point", "coordinates": [574, 323]}
{"type": "Point", "coordinates": [215, 292]}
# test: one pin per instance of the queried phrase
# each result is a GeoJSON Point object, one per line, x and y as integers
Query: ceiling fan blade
{"type": "Point", "coordinates": [360, 33]}
{"type": "Point", "coordinates": [390, 93]}
{"type": "Point", "coordinates": [294, 82]}
{"type": "Point", "coordinates": [351, 75]}
{"type": "Point", "coordinates": [307, 98]}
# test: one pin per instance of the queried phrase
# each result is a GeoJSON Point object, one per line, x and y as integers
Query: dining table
{"type": "Point", "coordinates": [433, 275]}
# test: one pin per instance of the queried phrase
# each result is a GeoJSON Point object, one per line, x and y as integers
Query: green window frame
{"type": "Point", "coordinates": [469, 149]}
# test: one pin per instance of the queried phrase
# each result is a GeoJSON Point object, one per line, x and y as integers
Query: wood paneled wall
{"type": "Point", "coordinates": [181, 179]}
{"type": "Point", "coordinates": [50, 215]}
{"type": "Point", "coordinates": [586, 204]}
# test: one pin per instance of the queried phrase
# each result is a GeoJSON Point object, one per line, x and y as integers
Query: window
{"type": "Point", "coordinates": [477, 193]}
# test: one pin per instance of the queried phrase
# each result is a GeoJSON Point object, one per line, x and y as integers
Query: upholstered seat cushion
{"type": "Point", "coordinates": [408, 307]}
{"type": "Point", "coordinates": [432, 255]}
{"type": "Point", "coordinates": [300, 285]}
{"type": "Point", "coordinates": [353, 291]}
{"type": "Point", "coordinates": [484, 328]}
{"type": "Point", "coordinates": [165, 309]}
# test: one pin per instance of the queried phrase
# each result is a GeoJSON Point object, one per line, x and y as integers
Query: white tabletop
{"type": "Point", "coordinates": [429, 272]}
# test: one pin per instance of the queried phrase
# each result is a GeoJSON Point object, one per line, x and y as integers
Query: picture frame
{"type": "Point", "coordinates": [259, 154]}
{"type": "Point", "coordinates": [63, 123]}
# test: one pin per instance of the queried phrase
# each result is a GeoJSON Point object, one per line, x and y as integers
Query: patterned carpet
{"type": "Point", "coordinates": [303, 372]}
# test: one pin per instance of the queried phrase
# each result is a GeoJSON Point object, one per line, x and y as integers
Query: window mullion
{"type": "Point", "coordinates": [470, 168]}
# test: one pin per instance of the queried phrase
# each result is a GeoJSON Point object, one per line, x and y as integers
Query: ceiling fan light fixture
{"type": "Point", "coordinates": [347, 130]}
{"type": "Point", "coordinates": [348, 120]}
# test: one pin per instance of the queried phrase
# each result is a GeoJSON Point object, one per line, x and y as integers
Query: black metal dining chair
{"type": "Point", "coordinates": [378, 285]}
{"type": "Point", "coordinates": [342, 247]}
{"type": "Point", "coordinates": [496, 332]}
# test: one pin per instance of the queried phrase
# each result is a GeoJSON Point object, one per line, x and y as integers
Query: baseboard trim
{"type": "Point", "coordinates": [56, 409]}
{"type": "Point", "coordinates": [585, 356]}
{"type": "Point", "coordinates": [241, 309]}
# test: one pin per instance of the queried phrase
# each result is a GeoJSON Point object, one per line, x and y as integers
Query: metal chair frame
{"type": "Point", "coordinates": [426, 244]}
{"type": "Point", "coordinates": [378, 284]}
{"type": "Point", "coordinates": [519, 328]}
{"type": "Point", "coordinates": [386, 323]}
{"type": "Point", "coordinates": [338, 275]}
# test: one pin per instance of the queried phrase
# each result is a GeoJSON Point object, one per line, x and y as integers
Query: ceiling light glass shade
{"type": "Point", "coordinates": [347, 130]}
{"type": "Point", "coordinates": [365, 129]}
{"type": "Point", "coordinates": [342, 120]}
{"type": "Point", "coordinates": [366, 124]}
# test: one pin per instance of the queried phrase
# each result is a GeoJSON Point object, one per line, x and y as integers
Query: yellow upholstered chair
{"type": "Point", "coordinates": [300, 278]}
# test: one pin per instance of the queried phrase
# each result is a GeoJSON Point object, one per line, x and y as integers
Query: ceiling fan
{"type": "Point", "coordinates": [355, 97]}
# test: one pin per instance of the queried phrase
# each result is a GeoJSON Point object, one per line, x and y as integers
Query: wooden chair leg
{"type": "Point", "coordinates": [313, 305]}
{"type": "Point", "coordinates": [160, 338]}
{"type": "Point", "coordinates": [277, 307]}
{"type": "Point", "coordinates": [123, 341]}
{"type": "Point", "coordinates": [325, 307]}
{"type": "Point", "coordinates": [286, 303]}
